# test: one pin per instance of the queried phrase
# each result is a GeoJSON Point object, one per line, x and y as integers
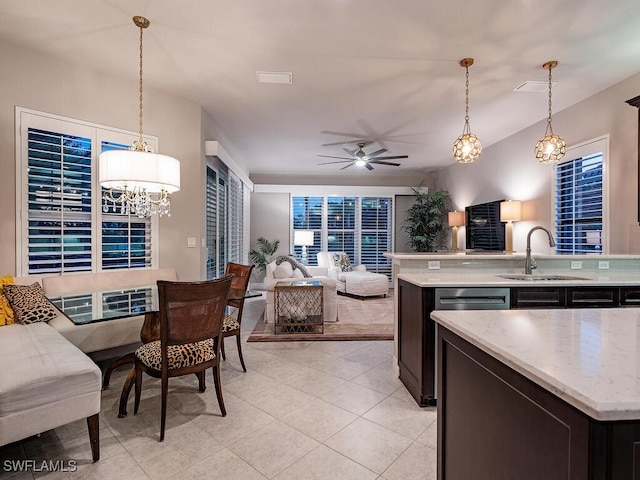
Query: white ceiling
{"type": "Point", "coordinates": [375, 70]}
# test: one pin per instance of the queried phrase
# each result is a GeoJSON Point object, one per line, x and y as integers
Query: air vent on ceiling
{"type": "Point", "coordinates": [533, 86]}
{"type": "Point", "coordinates": [275, 77]}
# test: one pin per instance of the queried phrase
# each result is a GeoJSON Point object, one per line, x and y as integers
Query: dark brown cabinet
{"type": "Point", "coordinates": [417, 331]}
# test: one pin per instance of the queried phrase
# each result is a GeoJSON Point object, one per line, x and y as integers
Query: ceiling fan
{"type": "Point", "coordinates": [358, 157]}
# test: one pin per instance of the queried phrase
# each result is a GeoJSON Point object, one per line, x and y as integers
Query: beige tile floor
{"type": "Point", "coordinates": [303, 410]}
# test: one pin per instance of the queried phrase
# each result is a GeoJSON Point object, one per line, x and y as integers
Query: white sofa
{"type": "Point", "coordinates": [45, 382]}
{"type": "Point", "coordinates": [357, 281]}
{"type": "Point", "coordinates": [46, 379]}
{"type": "Point", "coordinates": [273, 275]}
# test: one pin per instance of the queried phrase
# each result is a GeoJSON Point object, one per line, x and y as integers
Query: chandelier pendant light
{"type": "Point", "coordinates": [467, 147]}
{"type": "Point", "coordinates": [551, 147]}
{"type": "Point", "coordinates": [138, 181]}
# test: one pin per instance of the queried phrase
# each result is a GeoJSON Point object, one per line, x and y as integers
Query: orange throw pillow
{"type": "Point", "coordinates": [6, 313]}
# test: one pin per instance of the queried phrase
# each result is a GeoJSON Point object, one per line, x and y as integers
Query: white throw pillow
{"type": "Point", "coordinates": [284, 270]}
{"type": "Point", "coordinates": [297, 273]}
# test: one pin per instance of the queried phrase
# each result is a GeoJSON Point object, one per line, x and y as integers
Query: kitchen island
{"type": "Point", "coordinates": [532, 394]}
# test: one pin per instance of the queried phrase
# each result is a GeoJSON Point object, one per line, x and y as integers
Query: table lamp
{"type": "Point", "coordinates": [303, 238]}
{"type": "Point", "coordinates": [456, 219]}
{"type": "Point", "coordinates": [510, 211]}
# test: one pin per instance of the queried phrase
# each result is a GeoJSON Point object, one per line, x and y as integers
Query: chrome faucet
{"type": "Point", "coordinates": [530, 263]}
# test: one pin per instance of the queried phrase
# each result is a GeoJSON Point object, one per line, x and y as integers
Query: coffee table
{"type": "Point", "coordinates": [298, 307]}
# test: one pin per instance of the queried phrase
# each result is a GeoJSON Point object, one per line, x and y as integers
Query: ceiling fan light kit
{"type": "Point", "coordinates": [467, 147]}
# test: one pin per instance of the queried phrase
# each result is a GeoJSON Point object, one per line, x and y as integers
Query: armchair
{"type": "Point", "coordinates": [353, 280]}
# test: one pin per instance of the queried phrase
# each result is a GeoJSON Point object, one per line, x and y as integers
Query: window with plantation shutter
{"type": "Point", "coordinates": [579, 205]}
{"type": "Point", "coordinates": [236, 220]}
{"type": "Point", "coordinates": [376, 234]}
{"type": "Point", "coordinates": [212, 223]}
{"type": "Point", "coordinates": [341, 225]}
{"type": "Point", "coordinates": [59, 202]}
{"type": "Point", "coordinates": [126, 238]}
{"type": "Point", "coordinates": [360, 226]}
{"type": "Point", "coordinates": [222, 222]}
{"type": "Point", "coordinates": [308, 213]}
{"type": "Point", "coordinates": [61, 225]}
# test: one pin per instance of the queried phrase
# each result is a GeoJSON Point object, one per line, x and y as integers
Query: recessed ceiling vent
{"type": "Point", "coordinates": [275, 77]}
{"type": "Point", "coordinates": [533, 86]}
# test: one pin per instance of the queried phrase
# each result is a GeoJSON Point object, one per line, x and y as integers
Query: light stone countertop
{"type": "Point", "coordinates": [487, 279]}
{"type": "Point", "coordinates": [588, 357]}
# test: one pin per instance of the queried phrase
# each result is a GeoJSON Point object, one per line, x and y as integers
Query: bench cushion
{"type": "Point", "coordinates": [45, 381]}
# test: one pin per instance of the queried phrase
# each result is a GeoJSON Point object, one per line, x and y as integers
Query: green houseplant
{"type": "Point", "coordinates": [426, 219]}
{"type": "Point", "coordinates": [263, 253]}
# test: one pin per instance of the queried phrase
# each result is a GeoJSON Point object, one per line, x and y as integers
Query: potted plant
{"type": "Point", "coordinates": [426, 219]}
{"type": "Point", "coordinates": [262, 255]}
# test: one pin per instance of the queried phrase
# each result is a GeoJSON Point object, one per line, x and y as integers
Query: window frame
{"type": "Point", "coordinates": [586, 149]}
{"type": "Point", "coordinates": [27, 118]}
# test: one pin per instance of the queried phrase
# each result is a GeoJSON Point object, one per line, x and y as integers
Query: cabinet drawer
{"type": "Point", "coordinates": [630, 296]}
{"type": "Point", "coordinates": [584, 297]}
{"type": "Point", "coordinates": [538, 297]}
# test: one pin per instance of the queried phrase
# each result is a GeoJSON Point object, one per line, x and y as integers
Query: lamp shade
{"type": "Point", "coordinates": [303, 237]}
{"type": "Point", "coordinates": [130, 169]}
{"type": "Point", "coordinates": [456, 219]}
{"type": "Point", "coordinates": [511, 211]}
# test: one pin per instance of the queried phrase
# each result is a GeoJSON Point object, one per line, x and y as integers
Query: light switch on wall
{"type": "Point", "coordinates": [191, 242]}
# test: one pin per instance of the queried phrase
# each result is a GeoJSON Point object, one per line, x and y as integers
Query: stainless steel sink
{"type": "Point", "coordinates": [523, 276]}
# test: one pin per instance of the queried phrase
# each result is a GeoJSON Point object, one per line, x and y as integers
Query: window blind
{"type": "Point", "coordinates": [236, 220]}
{"type": "Point", "coordinates": [307, 215]}
{"type": "Point", "coordinates": [341, 225]}
{"type": "Point", "coordinates": [376, 234]}
{"type": "Point", "coordinates": [212, 223]}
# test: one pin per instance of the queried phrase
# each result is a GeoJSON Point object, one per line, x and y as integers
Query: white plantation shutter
{"type": "Point", "coordinates": [236, 219]}
{"type": "Point", "coordinates": [126, 239]}
{"type": "Point", "coordinates": [579, 205]}
{"type": "Point", "coordinates": [376, 234]}
{"type": "Point", "coordinates": [308, 214]}
{"type": "Point", "coordinates": [212, 223]}
{"type": "Point", "coordinates": [342, 225]}
{"type": "Point", "coordinates": [59, 202]}
{"type": "Point", "coordinates": [60, 221]}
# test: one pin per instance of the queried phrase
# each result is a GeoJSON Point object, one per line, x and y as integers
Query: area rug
{"type": "Point", "coordinates": [358, 319]}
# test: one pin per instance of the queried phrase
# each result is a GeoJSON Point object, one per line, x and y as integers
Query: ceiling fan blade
{"type": "Point", "coordinates": [393, 157]}
{"type": "Point", "coordinates": [333, 156]}
{"type": "Point", "coordinates": [382, 162]}
{"type": "Point", "coordinates": [347, 166]}
{"type": "Point", "coordinates": [350, 152]}
{"type": "Point", "coordinates": [368, 165]}
{"type": "Point", "coordinates": [376, 153]}
{"type": "Point", "coordinates": [337, 161]}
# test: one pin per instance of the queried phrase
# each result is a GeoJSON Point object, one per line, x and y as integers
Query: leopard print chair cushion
{"type": "Point", "coordinates": [230, 323]}
{"type": "Point", "coordinates": [29, 303]}
{"type": "Point", "coordinates": [180, 356]}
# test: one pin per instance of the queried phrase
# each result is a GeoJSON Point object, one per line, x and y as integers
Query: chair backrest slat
{"type": "Point", "coordinates": [192, 311]}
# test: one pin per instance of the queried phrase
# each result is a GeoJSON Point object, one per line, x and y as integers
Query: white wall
{"type": "Point", "coordinates": [33, 80]}
{"type": "Point", "coordinates": [509, 169]}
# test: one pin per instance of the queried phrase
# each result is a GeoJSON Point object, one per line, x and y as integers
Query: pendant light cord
{"type": "Point", "coordinates": [140, 114]}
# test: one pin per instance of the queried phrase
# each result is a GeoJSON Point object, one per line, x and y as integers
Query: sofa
{"type": "Point", "coordinates": [353, 280]}
{"type": "Point", "coordinates": [47, 379]}
{"type": "Point", "coordinates": [282, 272]}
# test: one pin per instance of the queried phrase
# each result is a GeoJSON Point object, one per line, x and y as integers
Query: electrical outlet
{"type": "Point", "coordinates": [576, 265]}
{"type": "Point", "coordinates": [603, 265]}
{"type": "Point", "coordinates": [433, 265]}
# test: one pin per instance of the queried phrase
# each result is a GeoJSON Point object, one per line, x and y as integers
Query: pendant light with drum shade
{"type": "Point", "coordinates": [138, 181]}
{"type": "Point", "coordinates": [467, 147]}
{"type": "Point", "coordinates": [551, 147]}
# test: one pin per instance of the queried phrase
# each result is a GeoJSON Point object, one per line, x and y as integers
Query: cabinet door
{"type": "Point", "coordinates": [538, 297]}
{"type": "Point", "coordinates": [593, 297]}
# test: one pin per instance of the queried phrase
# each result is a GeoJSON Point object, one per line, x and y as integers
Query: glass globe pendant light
{"type": "Point", "coordinates": [551, 147]}
{"type": "Point", "coordinates": [467, 147]}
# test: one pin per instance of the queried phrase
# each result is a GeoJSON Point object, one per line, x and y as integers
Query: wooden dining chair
{"type": "Point", "coordinates": [190, 315]}
{"type": "Point", "coordinates": [231, 323]}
